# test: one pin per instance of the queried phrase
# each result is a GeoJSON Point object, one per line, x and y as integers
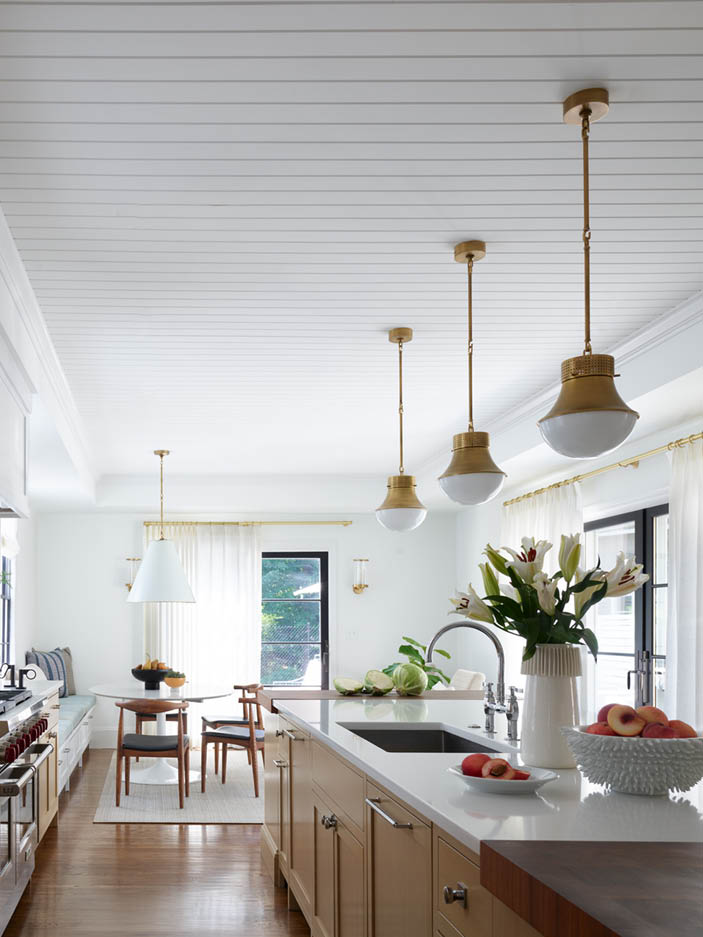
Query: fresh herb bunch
{"type": "Point", "coordinates": [415, 652]}
{"type": "Point", "coordinates": [534, 605]}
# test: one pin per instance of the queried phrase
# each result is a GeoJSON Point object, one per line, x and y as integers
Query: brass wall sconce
{"type": "Point", "coordinates": [359, 576]}
{"type": "Point", "coordinates": [132, 570]}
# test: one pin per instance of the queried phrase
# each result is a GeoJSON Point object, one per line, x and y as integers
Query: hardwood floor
{"type": "Point", "coordinates": [131, 880]}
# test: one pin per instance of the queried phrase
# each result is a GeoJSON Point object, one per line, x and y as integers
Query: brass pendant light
{"type": "Point", "coordinates": [589, 417]}
{"type": "Point", "coordinates": [472, 476]}
{"type": "Point", "coordinates": [402, 510]}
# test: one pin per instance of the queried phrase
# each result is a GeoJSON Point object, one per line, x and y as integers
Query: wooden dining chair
{"type": "Point", "coordinates": [135, 745]}
{"type": "Point", "coordinates": [248, 690]}
{"type": "Point", "coordinates": [249, 736]}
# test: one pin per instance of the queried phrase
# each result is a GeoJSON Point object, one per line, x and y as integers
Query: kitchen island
{"type": "Point", "coordinates": [400, 839]}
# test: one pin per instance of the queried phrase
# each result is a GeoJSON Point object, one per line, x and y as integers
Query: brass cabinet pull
{"type": "Point", "coordinates": [279, 763]}
{"type": "Point", "coordinates": [373, 803]}
{"type": "Point", "coordinates": [279, 733]}
{"type": "Point", "coordinates": [292, 736]}
{"type": "Point", "coordinates": [459, 893]}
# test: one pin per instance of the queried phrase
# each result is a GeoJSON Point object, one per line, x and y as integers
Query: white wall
{"type": "Point", "coordinates": [24, 592]}
{"type": "Point", "coordinates": [80, 564]}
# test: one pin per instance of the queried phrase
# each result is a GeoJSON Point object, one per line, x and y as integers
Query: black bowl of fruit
{"type": "Point", "coordinates": [151, 673]}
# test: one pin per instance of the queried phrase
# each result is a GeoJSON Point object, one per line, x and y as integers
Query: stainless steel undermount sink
{"type": "Point", "coordinates": [417, 738]}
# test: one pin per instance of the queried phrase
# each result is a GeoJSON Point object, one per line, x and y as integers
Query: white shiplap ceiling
{"type": "Point", "coordinates": [222, 207]}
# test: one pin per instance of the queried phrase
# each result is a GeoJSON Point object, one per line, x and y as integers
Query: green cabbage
{"type": "Point", "coordinates": [409, 680]}
{"type": "Point", "coordinates": [347, 686]}
{"type": "Point", "coordinates": [377, 683]}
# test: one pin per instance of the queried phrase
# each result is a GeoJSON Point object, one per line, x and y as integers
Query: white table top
{"type": "Point", "coordinates": [134, 689]}
{"type": "Point", "coordinates": [570, 808]}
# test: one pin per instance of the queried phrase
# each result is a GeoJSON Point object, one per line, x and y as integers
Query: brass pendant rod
{"type": "Point", "coordinates": [470, 270]}
{"type": "Point", "coordinates": [161, 520]}
{"type": "Point", "coordinates": [401, 467]}
{"type": "Point", "coordinates": [585, 134]}
{"type": "Point", "coordinates": [250, 523]}
{"type": "Point", "coordinates": [625, 463]}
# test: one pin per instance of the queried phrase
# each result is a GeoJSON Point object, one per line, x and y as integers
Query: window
{"type": "Point", "coordinates": [5, 606]}
{"type": "Point", "coordinates": [295, 620]}
{"type": "Point", "coordinates": [631, 629]}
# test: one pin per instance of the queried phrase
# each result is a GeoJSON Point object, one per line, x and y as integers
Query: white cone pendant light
{"type": "Point", "coordinates": [472, 476]}
{"type": "Point", "coordinates": [160, 577]}
{"type": "Point", "coordinates": [589, 417]}
{"type": "Point", "coordinates": [402, 510]}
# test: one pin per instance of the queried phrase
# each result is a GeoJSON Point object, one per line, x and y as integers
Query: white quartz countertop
{"type": "Point", "coordinates": [570, 808]}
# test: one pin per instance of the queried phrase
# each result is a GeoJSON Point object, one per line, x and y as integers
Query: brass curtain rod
{"type": "Point", "coordinates": [249, 523]}
{"type": "Point", "coordinates": [634, 461]}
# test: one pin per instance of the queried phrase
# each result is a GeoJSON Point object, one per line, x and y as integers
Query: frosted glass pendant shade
{"type": "Point", "coordinates": [160, 577]}
{"type": "Point", "coordinates": [589, 417]}
{"type": "Point", "coordinates": [402, 510]}
{"type": "Point", "coordinates": [472, 476]}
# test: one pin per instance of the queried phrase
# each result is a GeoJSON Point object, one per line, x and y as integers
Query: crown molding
{"type": "Point", "coordinates": [33, 353]}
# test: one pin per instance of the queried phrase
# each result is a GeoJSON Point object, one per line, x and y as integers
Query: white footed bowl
{"type": "Point", "coordinates": [637, 765]}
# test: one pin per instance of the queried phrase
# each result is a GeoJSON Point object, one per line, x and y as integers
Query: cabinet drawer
{"type": "Point", "coordinates": [472, 917]}
{"type": "Point", "coordinates": [507, 924]}
{"type": "Point", "coordinates": [342, 785]}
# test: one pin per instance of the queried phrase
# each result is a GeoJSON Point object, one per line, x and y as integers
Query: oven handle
{"type": "Point", "coordinates": [44, 750]}
{"type": "Point", "coordinates": [13, 787]}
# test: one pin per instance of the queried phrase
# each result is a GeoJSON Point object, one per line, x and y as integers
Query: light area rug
{"type": "Point", "coordinates": [233, 802]}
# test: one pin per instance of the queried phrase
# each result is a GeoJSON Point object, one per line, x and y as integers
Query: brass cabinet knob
{"type": "Point", "coordinates": [459, 893]}
{"type": "Point", "coordinates": [329, 823]}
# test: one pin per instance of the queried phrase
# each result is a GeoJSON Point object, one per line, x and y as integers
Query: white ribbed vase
{"type": "Point", "coordinates": [551, 701]}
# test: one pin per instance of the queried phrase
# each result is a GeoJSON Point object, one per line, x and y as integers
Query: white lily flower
{"type": "Point", "coordinates": [545, 588]}
{"type": "Point", "coordinates": [510, 591]}
{"type": "Point", "coordinates": [471, 605]}
{"type": "Point", "coordinates": [529, 561]}
{"type": "Point", "coordinates": [580, 598]}
{"type": "Point", "coordinates": [625, 576]}
{"type": "Point", "coordinates": [569, 555]}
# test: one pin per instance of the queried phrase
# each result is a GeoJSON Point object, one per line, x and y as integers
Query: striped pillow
{"type": "Point", "coordinates": [52, 664]}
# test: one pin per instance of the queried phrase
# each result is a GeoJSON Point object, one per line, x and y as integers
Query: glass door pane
{"type": "Point", "coordinates": [612, 620]}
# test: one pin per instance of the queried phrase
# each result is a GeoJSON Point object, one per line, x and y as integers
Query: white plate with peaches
{"type": "Point", "coordinates": [492, 774]}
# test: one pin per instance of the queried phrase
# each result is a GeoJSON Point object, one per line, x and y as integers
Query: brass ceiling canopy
{"type": "Point", "coordinates": [402, 509]}
{"type": "Point", "coordinates": [589, 417]}
{"type": "Point", "coordinates": [472, 477]}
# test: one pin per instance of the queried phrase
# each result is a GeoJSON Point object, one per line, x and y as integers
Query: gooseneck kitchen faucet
{"type": "Point", "coordinates": [491, 704]}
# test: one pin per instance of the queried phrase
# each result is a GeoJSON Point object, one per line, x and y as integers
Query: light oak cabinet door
{"type": "Point", "coordinates": [300, 816]}
{"type": "Point", "coordinates": [399, 863]}
{"type": "Point", "coordinates": [350, 884]}
{"type": "Point", "coordinates": [339, 882]}
{"type": "Point", "coordinates": [508, 924]}
{"type": "Point", "coordinates": [324, 880]}
{"type": "Point", "coordinates": [272, 781]}
{"type": "Point", "coordinates": [48, 786]}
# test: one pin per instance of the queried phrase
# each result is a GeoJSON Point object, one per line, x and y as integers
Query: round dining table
{"type": "Point", "coordinates": [160, 770]}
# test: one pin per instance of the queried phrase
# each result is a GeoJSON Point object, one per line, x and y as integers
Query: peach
{"type": "Point", "coordinates": [498, 768]}
{"type": "Point", "coordinates": [600, 728]}
{"type": "Point", "coordinates": [603, 712]}
{"type": "Point", "coordinates": [682, 729]}
{"type": "Point", "coordinates": [652, 714]}
{"type": "Point", "coordinates": [472, 764]}
{"type": "Point", "coordinates": [655, 730]}
{"type": "Point", "coordinates": [521, 775]}
{"type": "Point", "coordinates": [623, 720]}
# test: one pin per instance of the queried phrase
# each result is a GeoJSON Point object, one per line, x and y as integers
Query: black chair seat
{"type": "Point", "coordinates": [233, 732]}
{"type": "Point", "coordinates": [151, 717]}
{"type": "Point", "coordinates": [152, 743]}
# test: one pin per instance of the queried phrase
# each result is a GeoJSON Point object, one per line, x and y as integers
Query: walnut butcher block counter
{"type": "Point", "coordinates": [387, 843]}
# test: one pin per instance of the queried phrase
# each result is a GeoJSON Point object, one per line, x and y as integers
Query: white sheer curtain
{"type": "Point", "coordinates": [218, 639]}
{"type": "Point", "coordinates": [545, 516]}
{"type": "Point", "coordinates": [685, 618]}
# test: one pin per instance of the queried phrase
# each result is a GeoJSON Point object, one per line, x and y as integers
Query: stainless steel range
{"type": "Point", "coordinates": [21, 725]}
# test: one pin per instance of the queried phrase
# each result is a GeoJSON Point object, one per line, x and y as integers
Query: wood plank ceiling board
{"type": "Point", "coordinates": [222, 207]}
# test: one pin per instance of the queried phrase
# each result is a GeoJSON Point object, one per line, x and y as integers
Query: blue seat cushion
{"type": "Point", "coordinates": [233, 732]}
{"type": "Point", "coordinates": [71, 711]}
{"type": "Point", "coordinates": [152, 743]}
